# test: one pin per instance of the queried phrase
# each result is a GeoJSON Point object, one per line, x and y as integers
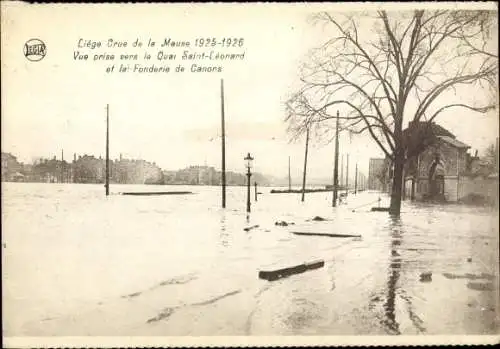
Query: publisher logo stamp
{"type": "Point", "coordinates": [35, 50]}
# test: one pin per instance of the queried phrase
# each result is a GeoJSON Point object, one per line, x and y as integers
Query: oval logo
{"type": "Point", "coordinates": [35, 50]}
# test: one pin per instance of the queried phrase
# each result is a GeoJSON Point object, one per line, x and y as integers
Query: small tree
{"type": "Point", "coordinates": [491, 157]}
{"type": "Point", "coordinates": [382, 68]}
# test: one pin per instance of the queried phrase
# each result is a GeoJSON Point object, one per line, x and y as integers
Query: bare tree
{"type": "Point", "coordinates": [491, 157]}
{"type": "Point", "coordinates": [384, 68]}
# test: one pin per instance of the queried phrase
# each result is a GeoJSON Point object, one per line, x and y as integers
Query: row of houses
{"type": "Point", "coordinates": [83, 169]}
{"type": "Point", "coordinates": [207, 175]}
{"type": "Point", "coordinates": [89, 169]}
{"type": "Point", "coordinates": [438, 167]}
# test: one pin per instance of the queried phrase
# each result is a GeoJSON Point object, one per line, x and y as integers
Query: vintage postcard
{"type": "Point", "coordinates": [249, 174]}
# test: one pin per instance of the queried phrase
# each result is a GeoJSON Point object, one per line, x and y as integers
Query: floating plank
{"type": "Point", "coordinates": [146, 193]}
{"type": "Point", "coordinates": [315, 264]}
{"type": "Point", "coordinates": [380, 209]}
{"type": "Point", "coordinates": [298, 191]}
{"type": "Point", "coordinates": [285, 272]}
{"type": "Point", "coordinates": [250, 228]}
{"type": "Point", "coordinates": [326, 234]}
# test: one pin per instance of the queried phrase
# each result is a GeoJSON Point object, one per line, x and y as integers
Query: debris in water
{"type": "Point", "coordinates": [426, 277]}
{"type": "Point", "coordinates": [380, 209]}
{"type": "Point", "coordinates": [297, 269]}
{"type": "Point", "coordinates": [132, 295]}
{"type": "Point", "coordinates": [250, 228]}
{"type": "Point", "coordinates": [326, 234]}
{"type": "Point", "coordinates": [468, 276]}
{"type": "Point", "coordinates": [283, 223]}
{"type": "Point", "coordinates": [469, 259]}
{"type": "Point", "coordinates": [480, 286]}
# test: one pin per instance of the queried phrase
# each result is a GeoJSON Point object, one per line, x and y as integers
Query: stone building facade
{"type": "Point", "coordinates": [435, 172]}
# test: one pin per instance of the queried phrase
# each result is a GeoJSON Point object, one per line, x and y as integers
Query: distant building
{"type": "Point", "coordinates": [89, 169]}
{"type": "Point", "coordinates": [128, 171]}
{"type": "Point", "coordinates": [11, 168]}
{"type": "Point", "coordinates": [377, 174]}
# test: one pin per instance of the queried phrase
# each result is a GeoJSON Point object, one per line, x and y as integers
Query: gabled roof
{"type": "Point", "coordinates": [420, 135]}
{"type": "Point", "coordinates": [454, 142]}
{"type": "Point", "coordinates": [423, 127]}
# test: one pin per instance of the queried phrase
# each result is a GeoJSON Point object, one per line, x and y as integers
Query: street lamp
{"type": "Point", "coordinates": [248, 160]}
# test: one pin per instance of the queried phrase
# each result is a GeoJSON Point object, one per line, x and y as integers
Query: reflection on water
{"type": "Point", "coordinates": [395, 231]}
{"type": "Point", "coordinates": [224, 236]}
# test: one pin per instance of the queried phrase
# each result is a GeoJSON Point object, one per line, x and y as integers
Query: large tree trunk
{"type": "Point", "coordinates": [397, 182]}
{"type": "Point", "coordinates": [399, 161]}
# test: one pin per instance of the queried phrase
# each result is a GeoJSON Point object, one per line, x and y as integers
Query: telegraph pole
{"type": "Point", "coordinates": [336, 164]}
{"type": "Point", "coordinates": [223, 175]}
{"type": "Point", "coordinates": [356, 179]}
{"type": "Point", "coordinates": [347, 176]}
{"type": "Point", "coordinates": [107, 150]}
{"type": "Point", "coordinates": [305, 166]}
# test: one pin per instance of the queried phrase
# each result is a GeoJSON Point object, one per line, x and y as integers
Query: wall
{"type": "Point", "coordinates": [485, 187]}
{"type": "Point", "coordinates": [449, 158]}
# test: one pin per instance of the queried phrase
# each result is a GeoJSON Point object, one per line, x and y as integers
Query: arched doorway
{"type": "Point", "coordinates": [436, 178]}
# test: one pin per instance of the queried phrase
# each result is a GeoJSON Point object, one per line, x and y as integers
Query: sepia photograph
{"type": "Point", "coordinates": [249, 174]}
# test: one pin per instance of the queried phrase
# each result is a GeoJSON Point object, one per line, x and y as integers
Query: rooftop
{"type": "Point", "coordinates": [454, 142]}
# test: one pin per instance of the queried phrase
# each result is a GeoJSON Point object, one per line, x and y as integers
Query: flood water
{"type": "Point", "coordinates": [78, 263]}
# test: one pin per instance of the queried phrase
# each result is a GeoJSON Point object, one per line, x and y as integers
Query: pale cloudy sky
{"type": "Point", "coordinates": [173, 119]}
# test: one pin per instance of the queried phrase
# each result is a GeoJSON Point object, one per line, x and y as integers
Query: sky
{"type": "Point", "coordinates": [173, 119]}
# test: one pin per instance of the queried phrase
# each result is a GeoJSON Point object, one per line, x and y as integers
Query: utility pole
{"type": "Point", "coordinates": [305, 166]}
{"type": "Point", "coordinates": [107, 150]}
{"type": "Point", "coordinates": [336, 164]}
{"type": "Point", "coordinates": [356, 180]}
{"type": "Point", "coordinates": [289, 176]}
{"type": "Point", "coordinates": [255, 184]}
{"type": "Point", "coordinates": [347, 177]}
{"type": "Point", "coordinates": [223, 175]}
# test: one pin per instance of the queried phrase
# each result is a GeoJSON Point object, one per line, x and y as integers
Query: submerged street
{"type": "Point", "coordinates": [183, 266]}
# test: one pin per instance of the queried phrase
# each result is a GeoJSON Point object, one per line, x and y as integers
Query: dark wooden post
{"type": "Point", "coordinates": [107, 150]}
{"type": "Point", "coordinates": [356, 179]}
{"type": "Point", "coordinates": [305, 165]}
{"type": "Point", "coordinates": [336, 164]}
{"type": "Point", "coordinates": [223, 175]}
{"type": "Point", "coordinates": [347, 177]}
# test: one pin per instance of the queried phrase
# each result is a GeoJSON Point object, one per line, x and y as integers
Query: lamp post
{"type": "Point", "coordinates": [248, 160]}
